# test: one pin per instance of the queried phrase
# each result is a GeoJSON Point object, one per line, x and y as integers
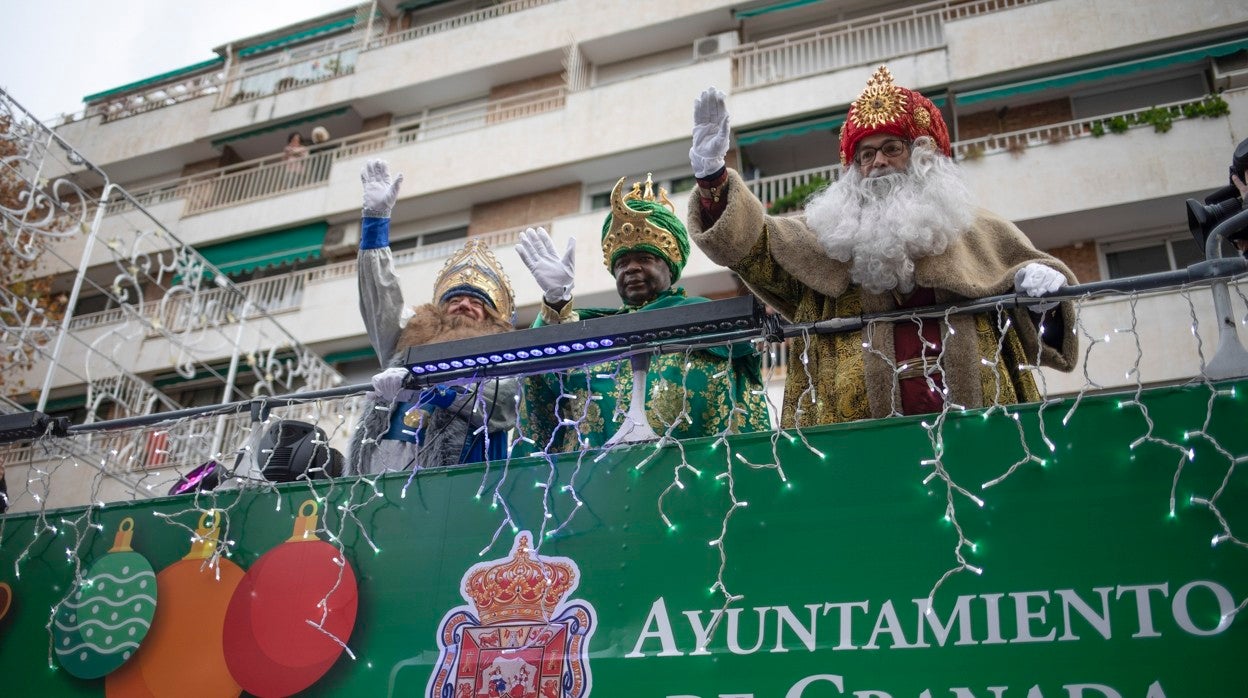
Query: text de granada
{"type": "Point", "coordinates": [1198, 607]}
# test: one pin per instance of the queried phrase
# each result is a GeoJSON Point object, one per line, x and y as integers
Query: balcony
{"type": "Point", "coordinates": [856, 42]}
{"type": "Point", "coordinates": [500, 10]}
{"type": "Point", "coordinates": [322, 66]}
{"type": "Point", "coordinates": [272, 176]}
{"type": "Point", "coordinates": [998, 43]}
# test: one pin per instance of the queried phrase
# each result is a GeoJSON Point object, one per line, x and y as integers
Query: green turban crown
{"type": "Point", "coordinates": [640, 221]}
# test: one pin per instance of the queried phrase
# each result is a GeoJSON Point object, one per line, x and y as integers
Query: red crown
{"type": "Point", "coordinates": [519, 587]}
{"type": "Point", "coordinates": [884, 107]}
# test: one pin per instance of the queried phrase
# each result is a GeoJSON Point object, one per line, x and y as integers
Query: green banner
{"type": "Point", "coordinates": [877, 560]}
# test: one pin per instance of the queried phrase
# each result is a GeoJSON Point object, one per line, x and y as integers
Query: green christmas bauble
{"type": "Point", "coordinates": [108, 613]}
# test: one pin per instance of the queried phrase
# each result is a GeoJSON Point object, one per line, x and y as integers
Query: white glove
{"type": "Point", "coordinates": [1038, 280]}
{"type": "Point", "coordinates": [710, 133]}
{"type": "Point", "coordinates": [388, 383]}
{"type": "Point", "coordinates": [554, 274]}
{"type": "Point", "coordinates": [379, 192]}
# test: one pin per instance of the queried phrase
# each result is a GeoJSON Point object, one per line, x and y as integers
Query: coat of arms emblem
{"type": "Point", "coordinates": [519, 636]}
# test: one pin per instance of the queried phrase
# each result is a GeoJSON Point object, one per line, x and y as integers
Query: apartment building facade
{"type": "Point", "coordinates": [1087, 123]}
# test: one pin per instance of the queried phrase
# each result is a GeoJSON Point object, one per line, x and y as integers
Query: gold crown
{"type": "Point", "coordinates": [476, 266]}
{"type": "Point", "coordinates": [519, 587]}
{"type": "Point", "coordinates": [631, 228]}
{"type": "Point", "coordinates": [881, 102]}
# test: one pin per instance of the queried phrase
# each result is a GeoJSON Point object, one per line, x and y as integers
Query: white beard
{"type": "Point", "coordinates": [882, 224]}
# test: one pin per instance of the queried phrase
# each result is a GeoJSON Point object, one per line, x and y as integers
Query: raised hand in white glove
{"type": "Point", "coordinates": [379, 192]}
{"type": "Point", "coordinates": [554, 274]}
{"type": "Point", "coordinates": [388, 383]}
{"type": "Point", "coordinates": [710, 133]}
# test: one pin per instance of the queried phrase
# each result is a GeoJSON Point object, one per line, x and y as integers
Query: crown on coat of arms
{"type": "Point", "coordinates": [520, 587]}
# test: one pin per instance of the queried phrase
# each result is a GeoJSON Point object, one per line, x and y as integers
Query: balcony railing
{"type": "Point", "coordinates": [441, 250]}
{"type": "Point", "coordinates": [214, 306]}
{"type": "Point", "coordinates": [318, 68]}
{"type": "Point", "coordinates": [150, 98]}
{"type": "Point", "coordinates": [769, 189]}
{"type": "Point", "coordinates": [499, 10]}
{"type": "Point", "coordinates": [853, 42]}
{"type": "Point", "coordinates": [266, 177]}
{"type": "Point", "coordinates": [1017, 141]}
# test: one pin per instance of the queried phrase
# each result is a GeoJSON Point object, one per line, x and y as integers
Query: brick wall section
{"type": "Point", "coordinates": [1016, 118]}
{"type": "Point", "coordinates": [201, 166]}
{"type": "Point", "coordinates": [503, 112]}
{"type": "Point", "coordinates": [1082, 259]}
{"type": "Point", "coordinates": [524, 209]}
{"type": "Point", "coordinates": [512, 89]}
{"type": "Point", "coordinates": [374, 122]}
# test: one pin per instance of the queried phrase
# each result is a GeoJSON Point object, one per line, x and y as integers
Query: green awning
{"type": "Point", "coordinates": [297, 37]}
{"type": "Point", "coordinates": [773, 7]}
{"type": "Point", "coordinates": [823, 122]}
{"type": "Point", "coordinates": [350, 355]}
{"type": "Point", "coordinates": [155, 79]}
{"type": "Point", "coordinates": [270, 249]}
{"type": "Point", "coordinates": [770, 133]}
{"type": "Point", "coordinates": [58, 404]}
{"type": "Point", "coordinates": [419, 4]}
{"type": "Point", "coordinates": [280, 126]}
{"type": "Point", "coordinates": [1103, 72]}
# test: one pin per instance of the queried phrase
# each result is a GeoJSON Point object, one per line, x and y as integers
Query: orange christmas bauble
{"type": "Point", "coordinates": [183, 654]}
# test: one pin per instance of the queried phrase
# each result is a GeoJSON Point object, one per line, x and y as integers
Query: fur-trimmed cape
{"type": "Point", "coordinates": [447, 430]}
{"type": "Point", "coordinates": [783, 263]}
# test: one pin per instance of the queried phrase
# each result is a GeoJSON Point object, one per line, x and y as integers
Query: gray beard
{"type": "Point", "coordinates": [882, 225]}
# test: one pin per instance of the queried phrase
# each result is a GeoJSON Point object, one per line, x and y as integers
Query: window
{"type": "Point", "coordinates": [427, 239]}
{"type": "Point", "coordinates": [1150, 255]}
{"type": "Point", "coordinates": [599, 201]}
{"type": "Point", "coordinates": [599, 195]}
{"type": "Point", "coordinates": [680, 184]}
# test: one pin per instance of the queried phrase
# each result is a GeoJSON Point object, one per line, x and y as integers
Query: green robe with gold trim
{"type": "Point", "coordinates": [687, 394]}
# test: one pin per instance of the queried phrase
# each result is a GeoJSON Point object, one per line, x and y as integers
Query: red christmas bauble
{"type": "Point", "coordinates": [282, 621]}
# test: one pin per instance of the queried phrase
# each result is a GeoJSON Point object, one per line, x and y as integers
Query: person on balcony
{"type": "Point", "coordinates": [293, 155]}
{"type": "Point", "coordinates": [708, 392]}
{"type": "Point", "coordinates": [896, 230]}
{"type": "Point", "coordinates": [441, 426]}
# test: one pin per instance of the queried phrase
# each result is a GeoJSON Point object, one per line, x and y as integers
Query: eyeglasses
{"type": "Point", "coordinates": [890, 148]}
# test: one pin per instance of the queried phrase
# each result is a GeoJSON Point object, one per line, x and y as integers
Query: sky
{"type": "Point", "coordinates": [54, 52]}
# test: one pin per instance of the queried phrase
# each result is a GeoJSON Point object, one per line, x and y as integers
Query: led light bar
{"type": "Point", "coordinates": [578, 343]}
{"type": "Point", "coordinates": [27, 426]}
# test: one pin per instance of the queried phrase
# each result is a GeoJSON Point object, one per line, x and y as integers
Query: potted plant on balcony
{"type": "Point", "coordinates": [796, 198]}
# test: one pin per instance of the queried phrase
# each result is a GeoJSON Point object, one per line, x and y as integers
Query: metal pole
{"type": "Point", "coordinates": [1230, 360]}
{"type": "Point", "coordinates": [83, 265]}
{"type": "Point", "coordinates": [228, 392]}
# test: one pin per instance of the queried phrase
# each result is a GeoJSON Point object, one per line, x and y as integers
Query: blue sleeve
{"type": "Point", "coordinates": [374, 233]}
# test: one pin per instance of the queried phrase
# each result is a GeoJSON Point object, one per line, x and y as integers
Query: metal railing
{"type": "Point", "coordinates": [1016, 141]}
{"type": "Point", "coordinates": [499, 10]}
{"type": "Point", "coordinates": [853, 42]}
{"type": "Point", "coordinates": [265, 177]}
{"type": "Point", "coordinates": [165, 94]}
{"type": "Point", "coordinates": [442, 250]}
{"type": "Point", "coordinates": [320, 67]}
{"type": "Point", "coordinates": [770, 189]}
{"type": "Point", "coordinates": [213, 305]}
{"type": "Point", "coordinates": [275, 294]}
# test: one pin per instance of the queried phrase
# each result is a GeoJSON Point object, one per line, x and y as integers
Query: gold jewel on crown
{"type": "Point", "coordinates": [630, 227]}
{"type": "Point", "coordinates": [519, 588]}
{"type": "Point", "coordinates": [475, 265]}
{"type": "Point", "coordinates": [881, 102]}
